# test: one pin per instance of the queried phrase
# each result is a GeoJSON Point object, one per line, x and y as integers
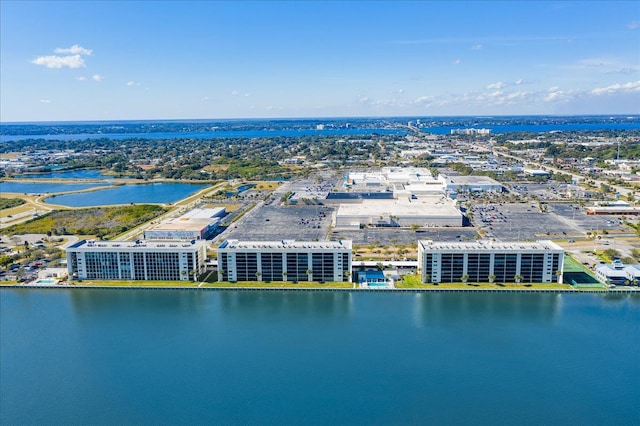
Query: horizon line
{"type": "Point", "coordinates": [628, 115]}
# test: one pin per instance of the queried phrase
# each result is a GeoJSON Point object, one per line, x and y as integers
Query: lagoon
{"type": "Point", "coordinates": [150, 357]}
{"type": "Point", "coordinates": [45, 188]}
{"type": "Point", "coordinates": [165, 192]}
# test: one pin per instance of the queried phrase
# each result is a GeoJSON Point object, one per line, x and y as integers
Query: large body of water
{"type": "Point", "coordinates": [148, 357]}
{"type": "Point", "coordinates": [165, 192]}
{"type": "Point", "coordinates": [207, 135]}
{"type": "Point", "coordinates": [602, 124]}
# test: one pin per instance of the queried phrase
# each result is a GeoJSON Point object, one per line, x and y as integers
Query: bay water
{"type": "Point", "coordinates": [241, 357]}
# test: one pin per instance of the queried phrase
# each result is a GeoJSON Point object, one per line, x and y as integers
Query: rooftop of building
{"type": "Point", "coordinates": [421, 206]}
{"type": "Point", "coordinates": [286, 244]}
{"type": "Point", "coordinates": [617, 268]}
{"type": "Point", "coordinates": [184, 224]}
{"type": "Point", "coordinates": [490, 245]}
{"type": "Point", "coordinates": [614, 208]}
{"type": "Point", "coordinates": [89, 245]}
{"type": "Point", "coordinates": [203, 213]}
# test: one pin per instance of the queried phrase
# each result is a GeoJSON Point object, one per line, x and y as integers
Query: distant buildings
{"type": "Point", "coordinates": [613, 210]}
{"type": "Point", "coordinates": [470, 131]}
{"type": "Point", "coordinates": [483, 261]}
{"type": "Point", "coordinates": [394, 196]}
{"type": "Point", "coordinates": [139, 260]}
{"type": "Point", "coordinates": [285, 260]}
{"type": "Point", "coordinates": [536, 173]}
{"type": "Point", "coordinates": [469, 183]}
{"type": "Point", "coordinates": [197, 224]}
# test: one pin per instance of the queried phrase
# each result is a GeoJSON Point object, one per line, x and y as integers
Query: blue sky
{"type": "Point", "coordinates": [162, 60]}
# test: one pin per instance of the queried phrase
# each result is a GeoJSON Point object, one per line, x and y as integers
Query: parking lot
{"type": "Point", "coordinates": [272, 223]}
{"type": "Point", "coordinates": [393, 236]}
{"type": "Point", "coordinates": [313, 188]}
{"type": "Point", "coordinates": [525, 221]}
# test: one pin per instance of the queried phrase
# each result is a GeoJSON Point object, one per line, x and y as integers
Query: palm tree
{"type": "Point", "coordinates": [464, 278]}
{"type": "Point", "coordinates": [284, 276]}
{"type": "Point", "coordinates": [347, 275]}
{"type": "Point", "coordinates": [558, 275]}
{"type": "Point", "coordinates": [517, 278]}
{"type": "Point", "coordinates": [427, 277]}
{"type": "Point", "coordinates": [491, 278]}
{"type": "Point", "coordinates": [309, 272]}
{"type": "Point", "coordinates": [258, 274]}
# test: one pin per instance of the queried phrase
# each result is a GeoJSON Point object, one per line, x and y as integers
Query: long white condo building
{"type": "Point", "coordinates": [485, 261]}
{"type": "Point", "coordinates": [285, 260]}
{"type": "Point", "coordinates": [139, 260]}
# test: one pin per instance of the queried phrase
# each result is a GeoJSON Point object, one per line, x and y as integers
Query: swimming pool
{"type": "Point", "coordinates": [382, 285]}
{"type": "Point", "coordinates": [45, 281]}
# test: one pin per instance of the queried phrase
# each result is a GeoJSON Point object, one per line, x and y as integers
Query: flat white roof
{"type": "Point", "coordinates": [614, 209]}
{"type": "Point", "coordinates": [490, 245]}
{"type": "Point", "coordinates": [184, 224]}
{"type": "Point", "coordinates": [89, 245]}
{"type": "Point", "coordinates": [436, 206]}
{"type": "Point", "coordinates": [203, 213]}
{"type": "Point", "coordinates": [285, 244]}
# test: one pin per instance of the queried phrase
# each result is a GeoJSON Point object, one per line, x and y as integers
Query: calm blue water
{"type": "Point", "coordinates": [125, 194]}
{"type": "Point", "coordinates": [209, 135]}
{"type": "Point", "coordinates": [45, 188]}
{"type": "Point", "coordinates": [445, 130]}
{"type": "Point", "coordinates": [70, 174]}
{"type": "Point", "coordinates": [189, 357]}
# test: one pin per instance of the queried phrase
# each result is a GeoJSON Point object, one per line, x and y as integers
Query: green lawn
{"type": "Point", "coordinates": [414, 282]}
{"type": "Point", "coordinates": [114, 283]}
{"type": "Point", "coordinates": [277, 284]}
{"type": "Point", "coordinates": [191, 284]}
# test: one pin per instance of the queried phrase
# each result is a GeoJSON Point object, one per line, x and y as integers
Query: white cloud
{"type": "Point", "coordinates": [132, 83]}
{"type": "Point", "coordinates": [633, 25]}
{"type": "Point", "coordinates": [45, 101]}
{"type": "Point", "coordinates": [234, 93]}
{"type": "Point", "coordinates": [630, 87]}
{"type": "Point", "coordinates": [71, 59]}
{"type": "Point", "coordinates": [477, 46]}
{"type": "Point", "coordinates": [423, 100]}
{"type": "Point", "coordinates": [456, 62]}
{"type": "Point", "coordinates": [53, 61]}
{"type": "Point", "coordinates": [81, 78]}
{"type": "Point", "coordinates": [498, 85]}
{"type": "Point", "coordinates": [205, 99]}
{"type": "Point", "coordinates": [74, 50]}
{"type": "Point", "coordinates": [98, 77]}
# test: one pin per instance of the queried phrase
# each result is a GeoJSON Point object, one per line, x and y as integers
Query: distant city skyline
{"type": "Point", "coordinates": [72, 61]}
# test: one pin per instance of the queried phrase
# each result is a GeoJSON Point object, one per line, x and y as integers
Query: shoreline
{"type": "Point", "coordinates": [322, 289]}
